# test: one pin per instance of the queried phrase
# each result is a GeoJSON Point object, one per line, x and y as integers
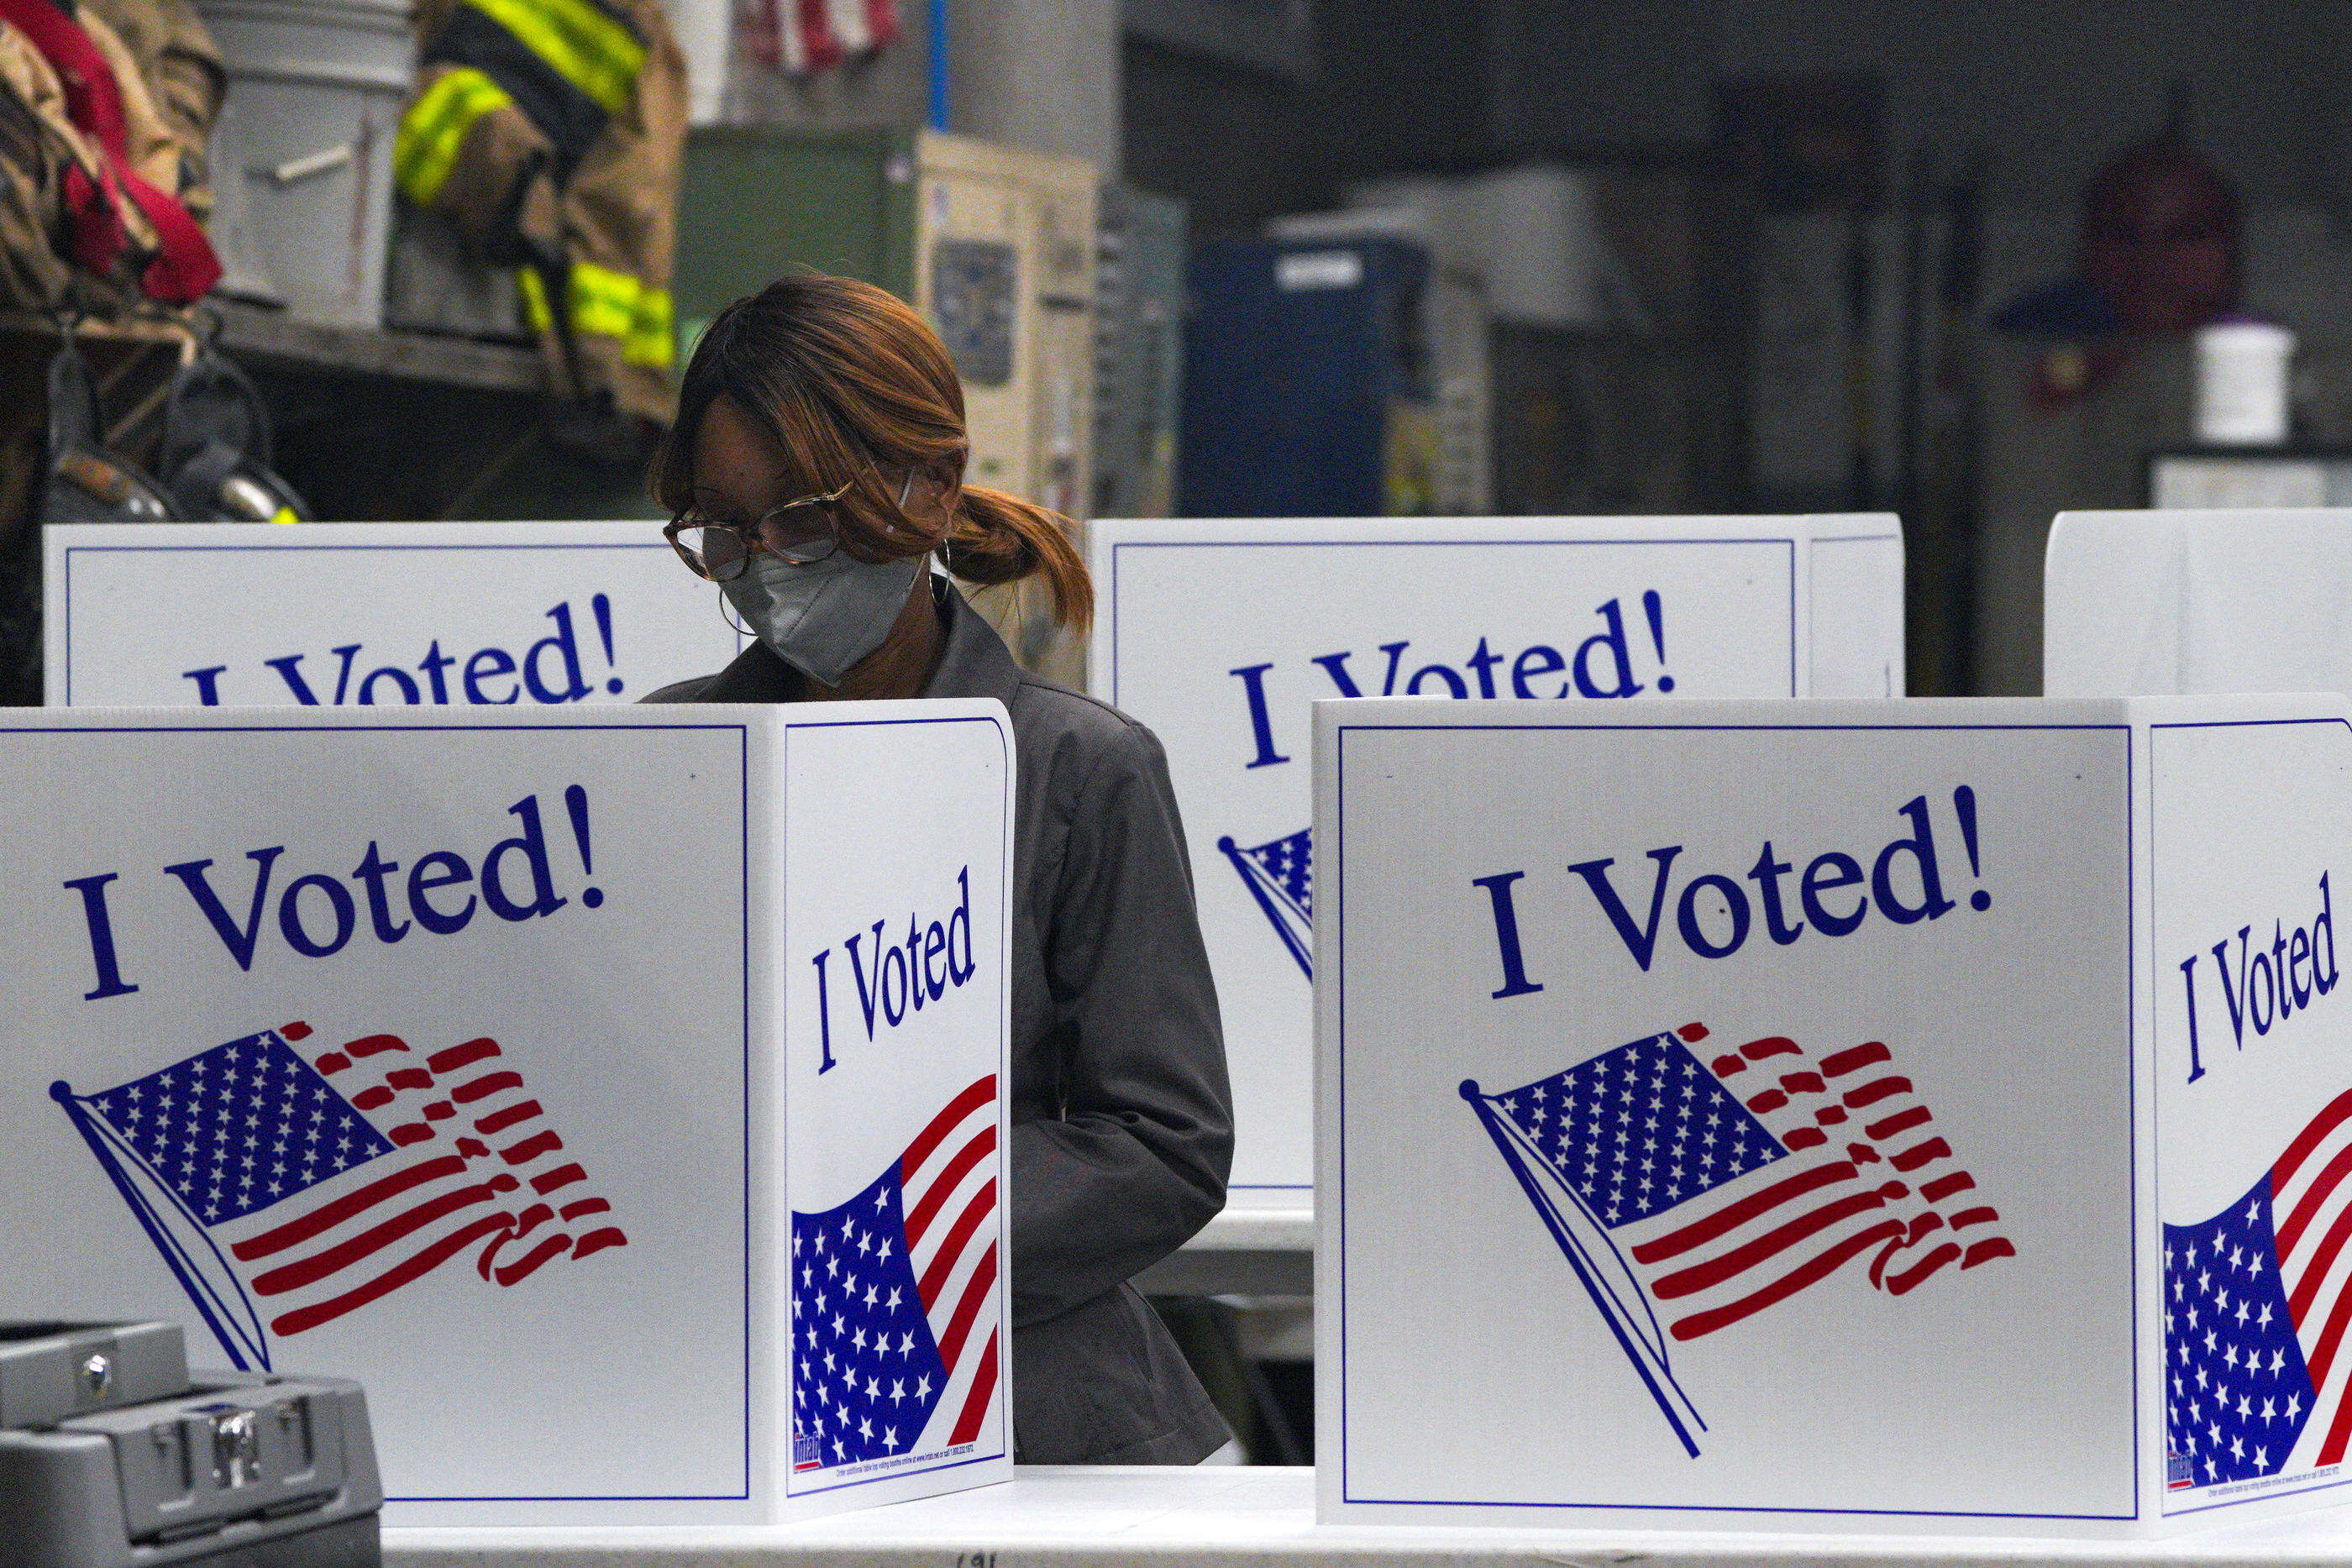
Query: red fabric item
{"type": "Point", "coordinates": [825, 50]}
{"type": "Point", "coordinates": [882, 22]}
{"type": "Point", "coordinates": [185, 266]}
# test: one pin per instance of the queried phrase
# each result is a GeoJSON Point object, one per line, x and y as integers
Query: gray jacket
{"type": "Point", "coordinates": [1122, 1120]}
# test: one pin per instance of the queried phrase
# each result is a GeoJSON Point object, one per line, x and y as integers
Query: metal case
{"type": "Point", "coordinates": [112, 1455]}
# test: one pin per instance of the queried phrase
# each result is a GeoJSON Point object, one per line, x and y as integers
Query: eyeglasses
{"type": "Point", "coordinates": [801, 533]}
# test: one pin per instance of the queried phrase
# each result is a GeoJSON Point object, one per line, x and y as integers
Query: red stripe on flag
{"type": "Point", "coordinates": [1770, 1099]}
{"type": "Point", "coordinates": [2314, 1196]}
{"type": "Point", "coordinates": [562, 1175]}
{"type": "Point", "coordinates": [534, 1260]}
{"type": "Point", "coordinates": [1977, 1216]}
{"type": "Point", "coordinates": [1802, 1083]}
{"type": "Point", "coordinates": [1692, 1032]}
{"type": "Point", "coordinates": [1986, 1250]}
{"type": "Point", "coordinates": [1726, 1065]}
{"type": "Point", "coordinates": [970, 1155]}
{"type": "Point", "coordinates": [944, 1261]}
{"type": "Point", "coordinates": [597, 1240]}
{"type": "Point", "coordinates": [318, 1265]}
{"type": "Point", "coordinates": [392, 1280]}
{"type": "Point", "coordinates": [1788, 1284]}
{"type": "Point", "coordinates": [410, 1133]}
{"type": "Point", "coordinates": [543, 1142]}
{"type": "Point", "coordinates": [1901, 1121]}
{"type": "Point", "coordinates": [946, 1122]}
{"type": "Point", "coordinates": [1805, 1138]}
{"type": "Point", "coordinates": [474, 1089]}
{"type": "Point", "coordinates": [587, 1206]}
{"type": "Point", "coordinates": [1943, 1186]}
{"type": "Point", "coordinates": [1839, 1063]}
{"type": "Point", "coordinates": [372, 1098]}
{"type": "Point", "coordinates": [2330, 1336]}
{"type": "Point", "coordinates": [464, 1055]}
{"type": "Point", "coordinates": [1770, 1045]}
{"type": "Point", "coordinates": [375, 1044]}
{"type": "Point", "coordinates": [328, 1216]}
{"type": "Point", "coordinates": [334, 1061]}
{"type": "Point", "coordinates": [499, 1121]}
{"type": "Point", "coordinates": [297, 1030]}
{"type": "Point", "coordinates": [1945, 1253]}
{"type": "Point", "coordinates": [1878, 1089]}
{"type": "Point", "coordinates": [1919, 1155]}
{"type": "Point", "coordinates": [409, 1078]}
{"type": "Point", "coordinates": [2315, 1273]}
{"type": "Point", "coordinates": [968, 1309]}
{"type": "Point", "coordinates": [975, 1403]}
{"type": "Point", "coordinates": [1732, 1216]}
{"type": "Point", "coordinates": [2333, 1449]}
{"type": "Point", "coordinates": [2327, 1121]}
{"type": "Point", "coordinates": [1746, 1256]}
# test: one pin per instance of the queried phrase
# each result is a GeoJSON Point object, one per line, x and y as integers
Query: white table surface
{"type": "Point", "coordinates": [1244, 1518]}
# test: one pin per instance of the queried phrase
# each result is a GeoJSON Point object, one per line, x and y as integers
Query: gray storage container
{"type": "Point", "coordinates": [302, 150]}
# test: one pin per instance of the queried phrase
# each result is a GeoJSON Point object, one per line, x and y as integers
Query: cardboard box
{"type": "Point", "coordinates": [516, 616]}
{"type": "Point", "coordinates": [604, 1092]}
{"type": "Point", "coordinates": [1874, 1115]}
{"type": "Point", "coordinates": [1219, 634]}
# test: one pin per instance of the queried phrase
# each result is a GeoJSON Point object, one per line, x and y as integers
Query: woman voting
{"type": "Point", "coordinates": [816, 470]}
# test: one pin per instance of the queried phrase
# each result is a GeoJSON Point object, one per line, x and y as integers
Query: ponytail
{"type": "Point", "coordinates": [998, 538]}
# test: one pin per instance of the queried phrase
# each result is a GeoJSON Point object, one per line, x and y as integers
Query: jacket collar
{"type": "Point", "coordinates": [973, 662]}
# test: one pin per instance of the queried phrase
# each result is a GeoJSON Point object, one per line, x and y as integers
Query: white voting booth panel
{"type": "Point", "coordinates": [2141, 604]}
{"type": "Point", "coordinates": [616, 1096]}
{"type": "Point", "coordinates": [1219, 634]}
{"type": "Point", "coordinates": [1883, 1116]}
{"type": "Point", "coordinates": [371, 614]}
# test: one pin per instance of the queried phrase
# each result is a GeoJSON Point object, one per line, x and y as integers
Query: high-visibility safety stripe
{"type": "Point", "coordinates": [534, 300]}
{"type": "Point", "coordinates": [653, 332]}
{"type": "Point", "coordinates": [603, 301]}
{"type": "Point", "coordinates": [608, 304]}
{"type": "Point", "coordinates": [580, 43]}
{"type": "Point", "coordinates": [434, 128]}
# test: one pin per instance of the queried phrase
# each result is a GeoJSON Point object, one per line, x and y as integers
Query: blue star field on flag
{"type": "Point", "coordinates": [2238, 1394]}
{"type": "Point", "coordinates": [868, 1372]}
{"type": "Point", "coordinates": [1641, 1128]}
{"type": "Point", "coordinates": [239, 1127]}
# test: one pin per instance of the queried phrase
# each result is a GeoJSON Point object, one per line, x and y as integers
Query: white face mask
{"type": "Point", "coordinates": [822, 619]}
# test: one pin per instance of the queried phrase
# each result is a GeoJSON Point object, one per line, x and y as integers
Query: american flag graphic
{"type": "Point", "coordinates": [1279, 874]}
{"type": "Point", "coordinates": [1692, 1189]}
{"type": "Point", "coordinates": [286, 1192]}
{"type": "Point", "coordinates": [2255, 1305]}
{"type": "Point", "coordinates": [895, 1344]}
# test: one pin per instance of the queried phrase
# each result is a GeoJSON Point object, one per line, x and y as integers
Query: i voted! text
{"type": "Point", "coordinates": [319, 913]}
{"type": "Point", "coordinates": [1715, 915]}
{"type": "Point", "coordinates": [549, 671]}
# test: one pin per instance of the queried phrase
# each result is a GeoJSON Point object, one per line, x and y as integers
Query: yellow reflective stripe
{"type": "Point", "coordinates": [580, 43]}
{"type": "Point", "coordinates": [434, 128]}
{"type": "Point", "coordinates": [534, 300]}
{"type": "Point", "coordinates": [603, 301]}
{"type": "Point", "coordinates": [653, 335]}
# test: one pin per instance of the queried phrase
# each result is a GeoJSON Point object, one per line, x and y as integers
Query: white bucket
{"type": "Point", "coordinates": [2242, 384]}
{"type": "Point", "coordinates": [302, 150]}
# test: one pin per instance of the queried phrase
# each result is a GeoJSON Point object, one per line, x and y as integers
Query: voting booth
{"type": "Point", "coordinates": [619, 1096]}
{"type": "Point", "coordinates": [1219, 634]}
{"type": "Point", "coordinates": [1886, 1116]}
{"type": "Point", "coordinates": [516, 616]}
{"type": "Point", "coordinates": [2239, 599]}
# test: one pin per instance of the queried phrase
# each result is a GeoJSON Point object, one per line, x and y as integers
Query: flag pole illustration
{"type": "Point", "coordinates": [1689, 1193]}
{"type": "Point", "coordinates": [1569, 1221]}
{"type": "Point", "coordinates": [285, 1193]}
{"type": "Point", "coordinates": [1279, 875]}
